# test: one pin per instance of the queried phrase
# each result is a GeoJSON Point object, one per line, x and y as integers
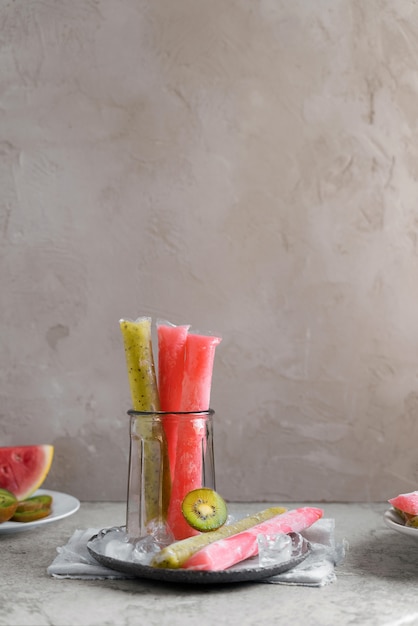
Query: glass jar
{"type": "Point", "coordinates": [170, 455]}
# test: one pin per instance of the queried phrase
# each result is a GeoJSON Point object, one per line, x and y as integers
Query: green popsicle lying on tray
{"type": "Point", "coordinates": [174, 555]}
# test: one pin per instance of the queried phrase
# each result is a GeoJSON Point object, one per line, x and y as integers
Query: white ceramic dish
{"type": "Point", "coordinates": [63, 505]}
{"type": "Point", "coordinates": [395, 522]}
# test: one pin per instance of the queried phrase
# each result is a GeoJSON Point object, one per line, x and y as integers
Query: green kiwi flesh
{"type": "Point", "coordinates": [8, 505]}
{"type": "Point", "coordinates": [34, 504]}
{"type": "Point", "coordinates": [32, 509]}
{"type": "Point", "coordinates": [204, 509]}
{"type": "Point", "coordinates": [30, 516]}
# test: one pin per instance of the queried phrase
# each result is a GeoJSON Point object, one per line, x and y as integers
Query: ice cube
{"type": "Point", "coordinates": [111, 531]}
{"type": "Point", "coordinates": [274, 549]}
{"type": "Point", "coordinates": [146, 547]}
{"type": "Point", "coordinates": [160, 533]}
{"type": "Point", "coordinates": [144, 550]}
{"type": "Point", "coordinates": [119, 549]}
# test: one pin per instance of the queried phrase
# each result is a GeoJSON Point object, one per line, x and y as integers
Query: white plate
{"type": "Point", "coordinates": [63, 505]}
{"type": "Point", "coordinates": [395, 522]}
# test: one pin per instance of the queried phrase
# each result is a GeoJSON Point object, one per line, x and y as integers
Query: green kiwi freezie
{"type": "Point", "coordinates": [144, 394]}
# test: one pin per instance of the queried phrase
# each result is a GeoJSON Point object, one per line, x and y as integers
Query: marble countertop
{"type": "Point", "coordinates": [376, 584]}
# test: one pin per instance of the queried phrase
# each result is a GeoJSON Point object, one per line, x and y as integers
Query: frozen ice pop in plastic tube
{"type": "Point", "coordinates": [196, 389]}
{"type": "Point", "coordinates": [227, 552]}
{"type": "Point", "coordinates": [171, 357]}
{"type": "Point", "coordinates": [176, 554]}
{"type": "Point", "coordinates": [198, 371]}
{"type": "Point", "coordinates": [140, 364]}
{"type": "Point", "coordinates": [144, 395]}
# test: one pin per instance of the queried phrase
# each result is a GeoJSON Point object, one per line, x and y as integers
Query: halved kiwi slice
{"type": "Point", "coordinates": [33, 508]}
{"type": "Point", "coordinates": [31, 516]}
{"type": "Point", "coordinates": [8, 505]}
{"type": "Point", "coordinates": [34, 504]}
{"type": "Point", "coordinates": [204, 509]}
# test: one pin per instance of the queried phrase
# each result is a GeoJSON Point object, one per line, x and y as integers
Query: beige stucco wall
{"type": "Point", "coordinates": [249, 167]}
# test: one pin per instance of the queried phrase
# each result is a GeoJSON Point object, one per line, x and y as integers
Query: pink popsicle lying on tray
{"type": "Point", "coordinates": [227, 552]}
{"type": "Point", "coordinates": [197, 381]}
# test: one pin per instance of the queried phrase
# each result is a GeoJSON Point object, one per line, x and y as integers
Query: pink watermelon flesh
{"type": "Point", "coordinates": [24, 468]}
{"type": "Point", "coordinates": [406, 502]}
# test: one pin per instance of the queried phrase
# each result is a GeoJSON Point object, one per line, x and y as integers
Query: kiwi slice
{"type": "Point", "coordinates": [31, 516]}
{"type": "Point", "coordinates": [8, 505]}
{"type": "Point", "coordinates": [204, 509]}
{"type": "Point", "coordinates": [34, 504]}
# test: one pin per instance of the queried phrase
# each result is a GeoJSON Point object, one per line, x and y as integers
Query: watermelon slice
{"type": "Point", "coordinates": [23, 469]}
{"type": "Point", "coordinates": [406, 502]}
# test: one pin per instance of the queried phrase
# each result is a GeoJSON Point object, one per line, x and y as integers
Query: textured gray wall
{"type": "Point", "coordinates": [245, 166]}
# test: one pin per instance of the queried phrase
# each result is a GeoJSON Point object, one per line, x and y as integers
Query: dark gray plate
{"type": "Point", "coordinates": [246, 571]}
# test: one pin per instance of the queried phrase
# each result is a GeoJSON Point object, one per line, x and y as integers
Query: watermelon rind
{"type": "Point", "coordinates": [23, 469]}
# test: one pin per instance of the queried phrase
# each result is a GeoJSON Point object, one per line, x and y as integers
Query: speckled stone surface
{"type": "Point", "coordinates": [375, 585]}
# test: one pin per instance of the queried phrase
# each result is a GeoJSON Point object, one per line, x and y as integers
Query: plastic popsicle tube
{"type": "Point", "coordinates": [176, 554]}
{"type": "Point", "coordinates": [140, 364]}
{"type": "Point", "coordinates": [227, 552]}
{"type": "Point", "coordinates": [197, 381]}
{"type": "Point", "coordinates": [144, 395]}
{"type": "Point", "coordinates": [171, 356]}
{"type": "Point", "coordinates": [198, 370]}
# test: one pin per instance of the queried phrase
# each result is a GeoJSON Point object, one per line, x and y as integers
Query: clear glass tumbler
{"type": "Point", "coordinates": [170, 454]}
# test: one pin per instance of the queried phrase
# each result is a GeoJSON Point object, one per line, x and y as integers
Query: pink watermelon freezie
{"type": "Point", "coordinates": [198, 369]}
{"type": "Point", "coordinates": [406, 502]}
{"type": "Point", "coordinates": [196, 388]}
{"type": "Point", "coordinates": [171, 357]}
{"type": "Point", "coordinates": [227, 552]}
